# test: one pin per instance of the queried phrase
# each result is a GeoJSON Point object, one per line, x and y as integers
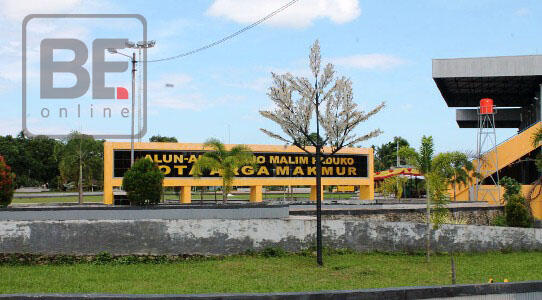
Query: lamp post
{"type": "Point", "coordinates": [140, 46]}
{"type": "Point", "coordinates": [133, 60]}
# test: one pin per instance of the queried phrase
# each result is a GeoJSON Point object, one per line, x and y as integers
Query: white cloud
{"type": "Point", "coordinates": [407, 106]}
{"type": "Point", "coordinates": [259, 84]}
{"type": "Point", "coordinates": [16, 10]}
{"type": "Point", "coordinates": [299, 15]}
{"type": "Point", "coordinates": [369, 61]}
{"type": "Point", "coordinates": [10, 126]}
{"type": "Point", "coordinates": [522, 12]}
{"type": "Point", "coordinates": [193, 101]}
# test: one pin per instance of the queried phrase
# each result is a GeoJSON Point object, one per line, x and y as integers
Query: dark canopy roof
{"type": "Point", "coordinates": [509, 80]}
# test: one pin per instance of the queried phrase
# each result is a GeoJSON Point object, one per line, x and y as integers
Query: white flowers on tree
{"type": "Point", "coordinates": [339, 119]}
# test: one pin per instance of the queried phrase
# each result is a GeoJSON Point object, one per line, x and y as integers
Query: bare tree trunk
{"type": "Point", "coordinates": [224, 195]}
{"type": "Point", "coordinates": [319, 243]}
{"type": "Point", "coordinates": [80, 181]}
{"type": "Point", "coordinates": [452, 265]}
{"type": "Point", "coordinates": [428, 223]}
{"type": "Point", "coordinates": [454, 191]}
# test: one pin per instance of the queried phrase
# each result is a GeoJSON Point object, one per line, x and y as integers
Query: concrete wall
{"type": "Point", "coordinates": [169, 212]}
{"type": "Point", "coordinates": [220, 236]}
{"type": "Point", "coordinates": [471, 215]}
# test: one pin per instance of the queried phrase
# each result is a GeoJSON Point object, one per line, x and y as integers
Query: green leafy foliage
{"type": "Point", "coordinates": [511, 187]}
{"type": "Point", "coordinates": [386, 154]}
{"type": "Point", "coordinates": [223, 161]}
{"type": "Point", "coordinates": [163, 139]}
{"type": "Point", "coordinates": [438, 193]}
{"type": "Point", "coordinates": [143, 183]}
{"type": "Point", "coordinates": [85, 150]}
{"type": "Point", "coordinates": [499, 220]}
{"type": "Point", "coordinates": [455, 168]}
{"type": "Point", "coordinates": [516, 212]}
{"type": "Point", "coordinates": [34, 160]}
{"type": "Point", "coordinates": [273, 252]}
{"type": "Point", "coordinates": [426, 154]}
{"type": "Point", "coordinates": [7, 183]}
{"type": "Point", "coordinates": [393, 186]}
{"type": "Point", "coordinates": [421, 159]}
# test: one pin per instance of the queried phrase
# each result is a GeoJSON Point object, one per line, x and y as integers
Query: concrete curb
{"type": "Point", "coordinates": [403, 293]}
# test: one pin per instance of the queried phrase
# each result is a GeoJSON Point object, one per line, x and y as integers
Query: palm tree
{"type": "Point", "coordinates": [461, 168]}
{"type": "Point", "coordinates": [224, 162]}
{"type": "Point", "coordinates": [422, 160]}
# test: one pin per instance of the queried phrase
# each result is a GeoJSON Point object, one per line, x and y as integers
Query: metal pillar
{"type": "Point", "coordinates": [488, 163]}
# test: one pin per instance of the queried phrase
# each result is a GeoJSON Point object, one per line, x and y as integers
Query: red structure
{"type": "Point", "coordinates": [486, 106]}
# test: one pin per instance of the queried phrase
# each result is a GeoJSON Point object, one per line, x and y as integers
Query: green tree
{"type": "Point", "coordinates": [455, 167]}
{"type": "Point", "coordinates": [516, 210]}
{"type": "Point", "coordinates": [224, 162]}
{"type": "Point", "coordinates": [437, 182]}
{"type": "Point", "coordinates": [7, 183]}
{"type": "Point", "coordinates": [143, 183]}
{"type": "Point", "coordinates": [162, 139]}
{"type": "Point", "coordinates": [312, 137]}
{"type": "Point", "coordinates": [393, 186]}
{"type": "Point", "coordinates": [32, 159]}
{"type": "Point", "coordinates": [386, 154]}
{"type": "Point", "coordinates": [437, 187]}
{"type": "Point", "coordinates": [422, 160]}
{"type": "Point", "coordinates": [81, 161]}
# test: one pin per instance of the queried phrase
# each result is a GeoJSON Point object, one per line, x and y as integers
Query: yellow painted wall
{"type": "Point", "coordinates": [110, 181]}
{"type": "Point", "coordinates": [492, 194]}
{"type": "Point", "coordinates": [507, 152]}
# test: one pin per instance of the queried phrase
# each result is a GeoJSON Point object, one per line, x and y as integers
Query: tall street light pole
{"type": "Point", "coordinates": [141, 45]}
{"type": "Point", "coordinates": [133, 108]}
{"type": "Point", "coordinates": [134, 61]}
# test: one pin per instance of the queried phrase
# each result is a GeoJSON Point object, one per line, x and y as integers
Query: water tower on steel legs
{"type": "Point", "coordinates": [487, 187]}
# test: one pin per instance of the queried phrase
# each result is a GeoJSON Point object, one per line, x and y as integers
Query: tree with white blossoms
{"type": "Point", "coordinates": [297, 102]}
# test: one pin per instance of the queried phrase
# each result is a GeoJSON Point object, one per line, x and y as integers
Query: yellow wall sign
{"type": "Point", "coordinates": [276, 165]}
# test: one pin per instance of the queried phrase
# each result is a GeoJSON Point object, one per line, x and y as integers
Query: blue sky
{"type": "Point", "coordinates": [385, 47]}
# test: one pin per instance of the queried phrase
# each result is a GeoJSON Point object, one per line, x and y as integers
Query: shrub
{"type": "Point", "coordinates": [273, 252]}
{"type": "Point", "coordinates": [498, 220]}
{"type": "Point", "coordinates": [516, 212]}
{"type": "Point", "coordinates": [102, 258]}
{"type": "Point", "coordinates": [7, 183]}
{"type": "Point", "coordinates": [511, 187]}
{"type": "Point", "coordinates": [143, 183]}
{"type": "Point", "coordinates": [393, 186]}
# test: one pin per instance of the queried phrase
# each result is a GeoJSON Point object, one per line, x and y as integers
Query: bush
{"type": "Point", "coordinates": [511, 187]}
{"type": "Point", "coordinates": [516, 212]}
{"type": "Point", "coordinates": [7, 183]}
{"type": "Point", "coordinates": [498, 220]}
{"type": "Point", "coordinates": [273, 252]}
{"type": "Point", "coordinates": [393, 186]}
{"type": "Point", "coordinates": [143, 183]}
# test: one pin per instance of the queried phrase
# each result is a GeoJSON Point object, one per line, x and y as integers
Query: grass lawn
{"type": "Point", "coordinates": [243, 274]}
{"type": "Point", "coordinates": [73, 199]}
{"type": "Point", "coordinates": [195, 198]}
